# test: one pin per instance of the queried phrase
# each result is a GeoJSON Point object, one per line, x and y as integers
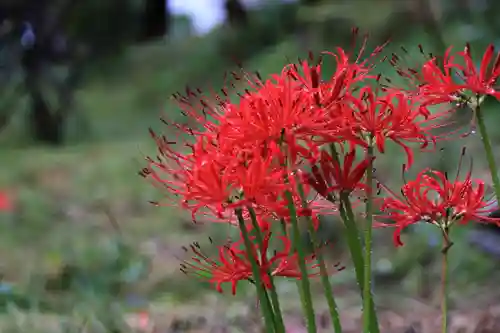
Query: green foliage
{"type": "Point", "coordinates": [105, 269]}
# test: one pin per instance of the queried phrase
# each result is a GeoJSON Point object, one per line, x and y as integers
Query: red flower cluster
{"type": "Point", "coordinates": [250, 151]}
{"type": "Point", "coordinates": [454, 78]}
{"type": "Point", "coordinates": [289, 128]}
{"type": "Point", "coordinates": [233, 264]}
{"type": "Point", "coordinates": [433, 198]}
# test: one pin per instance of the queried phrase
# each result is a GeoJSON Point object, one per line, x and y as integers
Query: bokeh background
{"type": "Point", "coordinates": [81, 247]}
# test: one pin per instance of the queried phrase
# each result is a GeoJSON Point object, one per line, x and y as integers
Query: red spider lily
{"type": "Point", "coordinates": [259, 175]}
{"type": "Point", "coordinates": [197, 178]}
{"type": "Point", "coordinates": [482, 82]}
{"type": "Point", "coordinates": [437, 82]}
{"type": "Point", "coordinates": [374, 119]}
{"type": "Point", "coordinates": [434, 83]}
{"type": "Point", "coordinates": [231, 266]}
{"type": "Point", "coordinates": [332, 178]}
{"type": "Point", "coordinates": [233, 263]}
{"type": "Point", "coordinates": [349, 70]}
{"type": "Point", "coordinates": [208, 179]}
{"type": "Point", "coordinates": [432, 198]}
{"type": "Point", "coordinates": [324, 93]}
{"type": "Point", "coordinates": [277, 112]}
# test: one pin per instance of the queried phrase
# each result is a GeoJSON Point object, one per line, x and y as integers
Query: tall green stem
{"type": "Point", "coordinates": [261, 291]}
{"type": "Point", "coordinates": [330, 299]}
{"type": "Point", "coordinates": [352, 232]}
{"type": "Point", "coordinates": [356, 250]}
{"type": "Point", "coordinates": [367, 289]}
{"type": "Point", "coordinates": [307, 303]}
{"type": "Point", "coordinates": [297, 282]}
{"type": "Point", "coordinates": [488, 150]}
{"type": "Point", "coordinates": [353, 238]}
{"type": "Point", "coordinates": [355, 245]}
{"type": "Point", "coordinates": [278, 316]}
{"type": "Point", "coordinates": [444, 282]}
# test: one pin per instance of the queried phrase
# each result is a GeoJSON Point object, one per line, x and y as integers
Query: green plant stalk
{"type": "Point", "coordinates": [356, 250]}
{"type": "Point", "coordinates": [330, 298]}
{"type": "Point", "coordinates": [352, 232]}
{"type": "Point", "coordinates": [367, 290]}
{"type": "Point", "coordinates": [266, 308]}
{"type": "Point", "coordinates": [305, 284]}
{"type": "Point", "coordinates": [278, 316]}
{"type": "Point", "coordinates": [488, 150]}
{"type": "Point", "coordinates": [297, 282]}
{"type": "Point", "coordinates": [444, 281]}
{"type": "Point", "coordinates": [353, 238]}
{"type": "Point", "coordinates": [354, 243]}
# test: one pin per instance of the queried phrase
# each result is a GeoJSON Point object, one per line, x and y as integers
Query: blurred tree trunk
{"type": "Point", "coordinates": [47, 123]}
{"type": "Point", "coordinates": [156, 19]}
{"type": "Point", "coordinates": [46, 126]}
{"type": "Point", "coordinates": [236, 14]}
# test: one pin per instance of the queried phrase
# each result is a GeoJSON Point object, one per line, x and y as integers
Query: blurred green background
{"type": "Point", "coordinates": [81, 82]}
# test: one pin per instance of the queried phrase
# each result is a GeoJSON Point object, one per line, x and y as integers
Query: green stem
{"type": "Point", "coordinates": [307, 303]}
{"type": "Point", "coordinates": [444, 283]}
{"type": "Point", "coordinates": [261, 291]}
{"type": "Point", "coordinates": [356, 250]}
{"type": "Point", "coordinates": [353, 237]}
{"type": "Point", "coordinates": [297, 282]}
{"type": "Point", "coordinates": [330, 299]}
{"type": "Point", "coordinates": [367, 290]}
{"type": "Point", "coordinates": [278, 316]}
{"type": "Point", "coordinates": [355, 245]}
{"type": "Point", "coordinates": [488, 150]}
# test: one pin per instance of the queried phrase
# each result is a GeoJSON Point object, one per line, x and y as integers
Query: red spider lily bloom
{"type": "Point", "coordinates": [207, 179]}
{"type": "Point", "coordinates": [260, 175]}
{"type": "Point", "coordinates": [6, 203]}
{"type": "Point", "coordinates": [233, 263]}
{"type": "Point", "coordinates": [330, 178]}
{"type": "Point", "coordinates": [482, 82]}
{"type": "Point", "coordinates": [434, 83]}
{"type": "Point", "coordinates": [349, 70]}
{"type": "Point", "coordinates": [437, 82]}
{"type": "Point", "coordinates": [324, 93]}
{"type": "Point", "coordinates": [374, 119]}
{"type": "Point", "coordinates": [432, 198]}
{"type": "Point", "coordinates": [197, 178]}
{"type": "Point", "coordinates": [277, 112]}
